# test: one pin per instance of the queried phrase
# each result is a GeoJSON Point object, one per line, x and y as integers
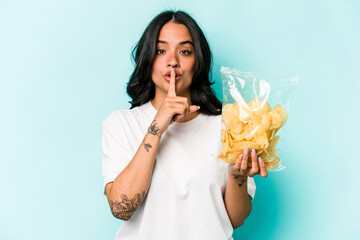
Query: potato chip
{"type": "Point", "coordinates": [231, 119]}
{"type": "Point", "coordinates": [282, 112]}
{"type": "Point", "coordinates": [244, 113]}
{"type": "Point", "coordinates": [252, 125]}
{"type": "Point", "coordinates": [258, 107]}
{"type": "Point", "coordinates": [271, 150]}
{"type": "Point", "coordinates": [265, 121]}
{"type": "Point", "coordinates": [271, 164]}
{"type": "Point", "coordinates": [275, 120]}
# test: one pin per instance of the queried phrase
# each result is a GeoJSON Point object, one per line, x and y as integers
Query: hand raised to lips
{"type": "Point", "coordinates": [173, 108]}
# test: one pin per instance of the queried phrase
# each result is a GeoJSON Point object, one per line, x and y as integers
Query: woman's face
{"type": "Point", "coordinates": [174, 48]}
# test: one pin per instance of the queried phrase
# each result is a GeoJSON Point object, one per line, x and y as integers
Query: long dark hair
{"type": "Point", "coordinates": [141, 87]}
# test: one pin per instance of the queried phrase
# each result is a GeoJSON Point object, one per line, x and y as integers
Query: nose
{"type": "Point", "coordinates": [174, 66]}
{"type": "Point", "coordinates": [173, 60]}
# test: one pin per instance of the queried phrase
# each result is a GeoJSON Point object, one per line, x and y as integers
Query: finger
{"type": "Point", "coordinates": [238, 162]}
{"type": "Point", "coordinates": [178, 116]}
{"type": "Point", "coordinates": [175, 107]}
{"type": "Point", "coordinates": [179, 113]}
{"type": "Point", "coordinates": [244, 162]}
{"type": "Point", "coordinates": [254, 162]}
{"type": "Point", "coordinates": [263, 171]}
{"type": "Point", "coordinates": [193, 108]}
{"type": "Point", "coordinates": [182, 113]}
{"type": "Point", "coordinates": [171, 91]}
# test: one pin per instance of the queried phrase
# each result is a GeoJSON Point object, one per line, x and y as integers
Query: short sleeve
{"type": "Point", "coordinates": [116, 153]}
{"type": "Point", "coordinates": [251, 187]}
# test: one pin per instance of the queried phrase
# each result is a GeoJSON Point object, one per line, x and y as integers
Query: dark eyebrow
{"type": "Point", "coordinates": [185, 42]}
{"type": "Point", "coordinates": [181, 43]}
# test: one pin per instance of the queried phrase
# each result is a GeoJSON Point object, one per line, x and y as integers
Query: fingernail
{"type": "Point", "coordinates": [170, 66]}
{"type": "Point", "coordinates": [241, 156]}
{"type": "Point", "coordinates": [198, 107]}
{"type": "Point", "coordinates": [261, 161]}
{"type": "Point", "coordinates": [253, 150]}
{"type": "Point", "coordinates": [247, 148]}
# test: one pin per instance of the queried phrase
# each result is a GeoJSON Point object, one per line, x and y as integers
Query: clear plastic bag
{"type": "Point", "coordinates": [253, 115]}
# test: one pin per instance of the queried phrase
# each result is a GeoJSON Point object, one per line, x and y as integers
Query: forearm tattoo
{"type": "Point", "coordinates": [241, 182]}
{"type": "Point", "coordinates": [154, 128]}
{"type": "Point", "coordinates": [125, 209]}
{"type": "Point", "coordinates": [147, 146]}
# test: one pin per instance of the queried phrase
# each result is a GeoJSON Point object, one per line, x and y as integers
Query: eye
{"type": "Point", "coordinates": [185, 52]}
{"type": "Point", "coordinates": [160, 51]}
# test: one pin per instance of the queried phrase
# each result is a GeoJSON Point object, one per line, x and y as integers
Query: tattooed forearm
{"type": "Point", "coordinates": [125, 208]}
{"type": "Point", "coordinates": [154, 128]}
{"type": "Point", "coordinates": [147, 146]}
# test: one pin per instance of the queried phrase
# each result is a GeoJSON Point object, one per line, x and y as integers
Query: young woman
{"type": "Point", "coordinates": [160, 165]}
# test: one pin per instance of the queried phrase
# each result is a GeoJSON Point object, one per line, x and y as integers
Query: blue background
{"type": "Point", "coordinates": [63, 69]}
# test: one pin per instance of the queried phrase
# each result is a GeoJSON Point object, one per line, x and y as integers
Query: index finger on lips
{"type": "Point", "coordinates": [171, 91]}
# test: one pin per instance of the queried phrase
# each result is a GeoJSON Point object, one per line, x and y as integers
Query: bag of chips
{"type": "Point", "coordinates": [253, 113]}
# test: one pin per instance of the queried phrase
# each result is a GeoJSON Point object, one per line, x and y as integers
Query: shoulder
{"type": "Point", "coordinates": [125, 117]}
{"type": "Point", "coordinates": [116, 117]}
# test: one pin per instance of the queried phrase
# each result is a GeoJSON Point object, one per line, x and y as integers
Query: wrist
{"type": "Point", "coordinates": [154, 129]}
{"type": "Point", "coordinates": [238, 180]}
{"type": "Point", "coordinates": [238, 177]}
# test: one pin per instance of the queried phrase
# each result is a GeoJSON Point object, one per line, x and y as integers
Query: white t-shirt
{"type": "Point", "coordinates": [185, 198]}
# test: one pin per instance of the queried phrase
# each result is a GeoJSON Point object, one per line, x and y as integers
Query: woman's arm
{"type": "Point", "coordinates": [236, 199]}
{"type": "Point", "coordinates": [129, 188]}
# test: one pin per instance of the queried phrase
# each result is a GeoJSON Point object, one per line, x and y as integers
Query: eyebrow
{"type": "Point", "coordinates": [181, 43]}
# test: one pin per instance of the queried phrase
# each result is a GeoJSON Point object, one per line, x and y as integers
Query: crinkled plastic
{"type": "Point", "coordinates": [253, 115]}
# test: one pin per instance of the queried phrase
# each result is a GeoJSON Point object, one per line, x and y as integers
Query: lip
{"type": "Point", "coordinates": [177, 77]}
